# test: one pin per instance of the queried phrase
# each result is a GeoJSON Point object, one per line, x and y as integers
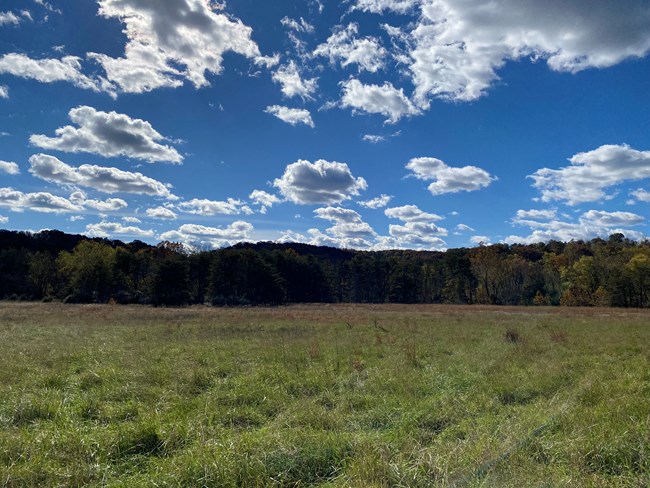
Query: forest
{"type": "Point", "coordinates": [51, 265]}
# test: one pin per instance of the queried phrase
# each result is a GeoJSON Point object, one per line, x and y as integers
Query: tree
{"type": "Point", "coordinates": [170, 283]}
{"type": "Point", "coordinates": [88, 271]}
{"type": "Point", "coordinates": [42, 273]}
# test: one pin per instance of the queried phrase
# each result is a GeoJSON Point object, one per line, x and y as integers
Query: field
{"type": "Point", "coordinates": [338, 395]}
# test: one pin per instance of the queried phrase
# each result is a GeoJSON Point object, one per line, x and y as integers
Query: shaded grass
{"type": "Point", "coordinates": [323, 395]}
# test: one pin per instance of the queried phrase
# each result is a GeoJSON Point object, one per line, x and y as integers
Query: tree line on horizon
{"type": "Point", "coordinates": [51, 265]}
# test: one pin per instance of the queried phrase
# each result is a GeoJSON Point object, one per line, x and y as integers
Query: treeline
{"type": "Point", "coordinates": [51, 265]}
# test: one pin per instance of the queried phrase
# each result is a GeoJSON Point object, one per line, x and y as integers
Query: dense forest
{"type": "Point", "coordinates": [52, 265]}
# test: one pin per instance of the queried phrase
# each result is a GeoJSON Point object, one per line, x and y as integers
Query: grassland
{"type": "Point", "coordinates": [364, 396]}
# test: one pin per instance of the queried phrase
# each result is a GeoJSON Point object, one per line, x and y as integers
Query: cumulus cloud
{"type": "Point", "coordinates": [592, 173]}
{"type": "Point", "coordinates": [593, 223]}
{"type": "Point", "coordinates": [318, 238]}
{"type": "Point", "coordinates": [200, 236]}
{"type": "Point", "coordinates": [9, 168]}
{"type": "Point", "coordinates": [459, 46]}
{"type": "Point", "coordinates": [66, 69]}
{"type": "Point", "coordinates": [449, 179]}
{"type": "Point", "coordinates": [323, 182]}
{"type": "Point", "coordinates": [172, 41]}
{"type": "Point", "coordinates": [411, 213]}
{"type": "Point", "coordinates": [641, 195]}
{"type": "Point", "coordinates": [44, 202]}
{"type": "Point", "coordinates": [100, 178]}
{"type": "Point", "coordinates": [345, 47]}
{"type": "Point", "coordinates": [4, 91]}
{"type": "Point", "coordinates": [479, 240]}
{"type": "Point", "coordinates": [548, 214]}
{"type": "Point", "coordinates": [3, 219]}
{"type": "Point", "coordinates": [231, 206]}
{"type": "Point", "coordinates": [292, 116]}
{"type": "Point", "coordinates": [264, 199]}
{"type": "Point", "coordinates": [373, 139]}
{"type": "Point", "coordinates": [413, 235]}
{"type": "Point", "coordinates": [378, 202]}
{"type": "Point", "coordinates": [109, 134]}
{"type": "Point", "coordinates": [162, 213]}
{"type": "Point", "coordinates": [348, 224]}
{"type": "Point", "coordinates": [7, 18]}
{"type": "Point", "coordinates": [108, 205]}
{"type": "Point", "coordinates": [131, 220]}
{"type": "Point", "coordinates": [293, 85]}
{"type": "Point", "coordinates": [377, 99]}
{"type": "Point", "coordinates": [110, 229]}
{"type": "Point", "coordinates": [10, 18]}
{"type": "Point", "coordinates": [464, 228]}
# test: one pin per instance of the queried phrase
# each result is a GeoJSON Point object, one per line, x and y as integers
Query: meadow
{"type": "Point", "coordinates": [326, 395]}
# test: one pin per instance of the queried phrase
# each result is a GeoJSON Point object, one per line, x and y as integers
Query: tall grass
{"type": "Point", "coordinates": [323, 395]}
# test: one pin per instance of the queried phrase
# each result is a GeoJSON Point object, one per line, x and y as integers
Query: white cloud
{"type": "Point", "coordinates": [478, 240]}
{"type": "Point", "coordinates": [47, 6]}
{"type": "Point", "coordinates": [593, 223]}
{"type": "Point", "coordinates": [348, 224]}
{"type": "Point", "coordinates": [449, 179]}
{"type": "Point", "coordinates": [4, 91]}
{"type": "Point", "coordinates": [264, 199]}
{"type": "Point", "coordinates": [377, 202]}
{"type": "Point", "coordinates": [100, 178]}
{"type": "Point", "coordinates": [378, 6]}
{"type": "Point", "coordinates": [411, 213]}
{"type": "Point", "coordinates": [549, 214]}
{"type": "Point", "coordinates": [110, 229]}
{"type": "Point", "coordinates": [413, 235]}
{"type": "Point", "coordinates": [349, 229]}
{"type": "Point", "coordinates": [7, 18]}
{"type": "Point", "coordinates": [321, 182]}
{"type": "Point", "coordinates": [9, 168]}
{"type": "Point", "coordinates": [66, 69]}
{"type": "Point", "coordinates": [612, 219]}
{"type": "Point", "coordinates": [43, 202]}
{"type": "Point", "coordinates": [173, 41]}
{"type": "Point", "coordinates": [293, 85]}
{"type": "Point", "coordinates": [377, 99]}
{"type": "Point", "coordinates": [641, 195]}
{"type": "Point", "coordinates": [109, 205]}
{"type": "Point", "coordinates": [213, 237]}
{"type": "Point", "coordinates": [198, 206]}
{"type": "Point", "coordinates": [161, 213]}
{"type": "Point", "coordinates": [300, 25]}
{"type": "Point", "coordinates": [459, 46]}
{"type": "Point", "coordinates": [343, 46]}
{"type": "Point", "coordinates": [292, 116]}
{"type": "Point", "coordinates": [373, 139]}
{"type": "Point", "coordinates": [3, 219]}
{"type": "Point", "coordinates": [131, 220]}
{"type": "Point", "coordinates": [592, 173]}
{"type": "Point", "coordinates": [109, 134]}
{"type": "Point", "coordinates": [318, 238]}
{"type": "Point", "coordinates": [421, 230]}
{"type": "Point", "coordinates": [464, 228]}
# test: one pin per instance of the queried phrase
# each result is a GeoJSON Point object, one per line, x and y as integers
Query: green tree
{"type": "Point", "coordinates": [88, 271]}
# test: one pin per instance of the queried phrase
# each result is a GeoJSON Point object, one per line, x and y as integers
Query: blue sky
{"type": "Point", "coordinates": [370, 124]}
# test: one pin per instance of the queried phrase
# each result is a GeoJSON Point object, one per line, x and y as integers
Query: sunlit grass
{"type": "Point", "coordinates": [331, 395]}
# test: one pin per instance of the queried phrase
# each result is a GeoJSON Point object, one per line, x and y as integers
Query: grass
{"type": "Point", "coordinates": [335, 396]}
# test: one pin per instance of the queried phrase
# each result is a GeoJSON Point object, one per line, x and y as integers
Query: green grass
{"type": "Point", "coordinates": [336, 396]}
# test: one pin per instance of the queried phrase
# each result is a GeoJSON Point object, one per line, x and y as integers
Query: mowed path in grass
{"type": "Point", "coordinates": [327, 395]}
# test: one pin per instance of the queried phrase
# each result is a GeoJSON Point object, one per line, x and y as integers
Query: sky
{"type": "Point", "coordinates": [366, 124]}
